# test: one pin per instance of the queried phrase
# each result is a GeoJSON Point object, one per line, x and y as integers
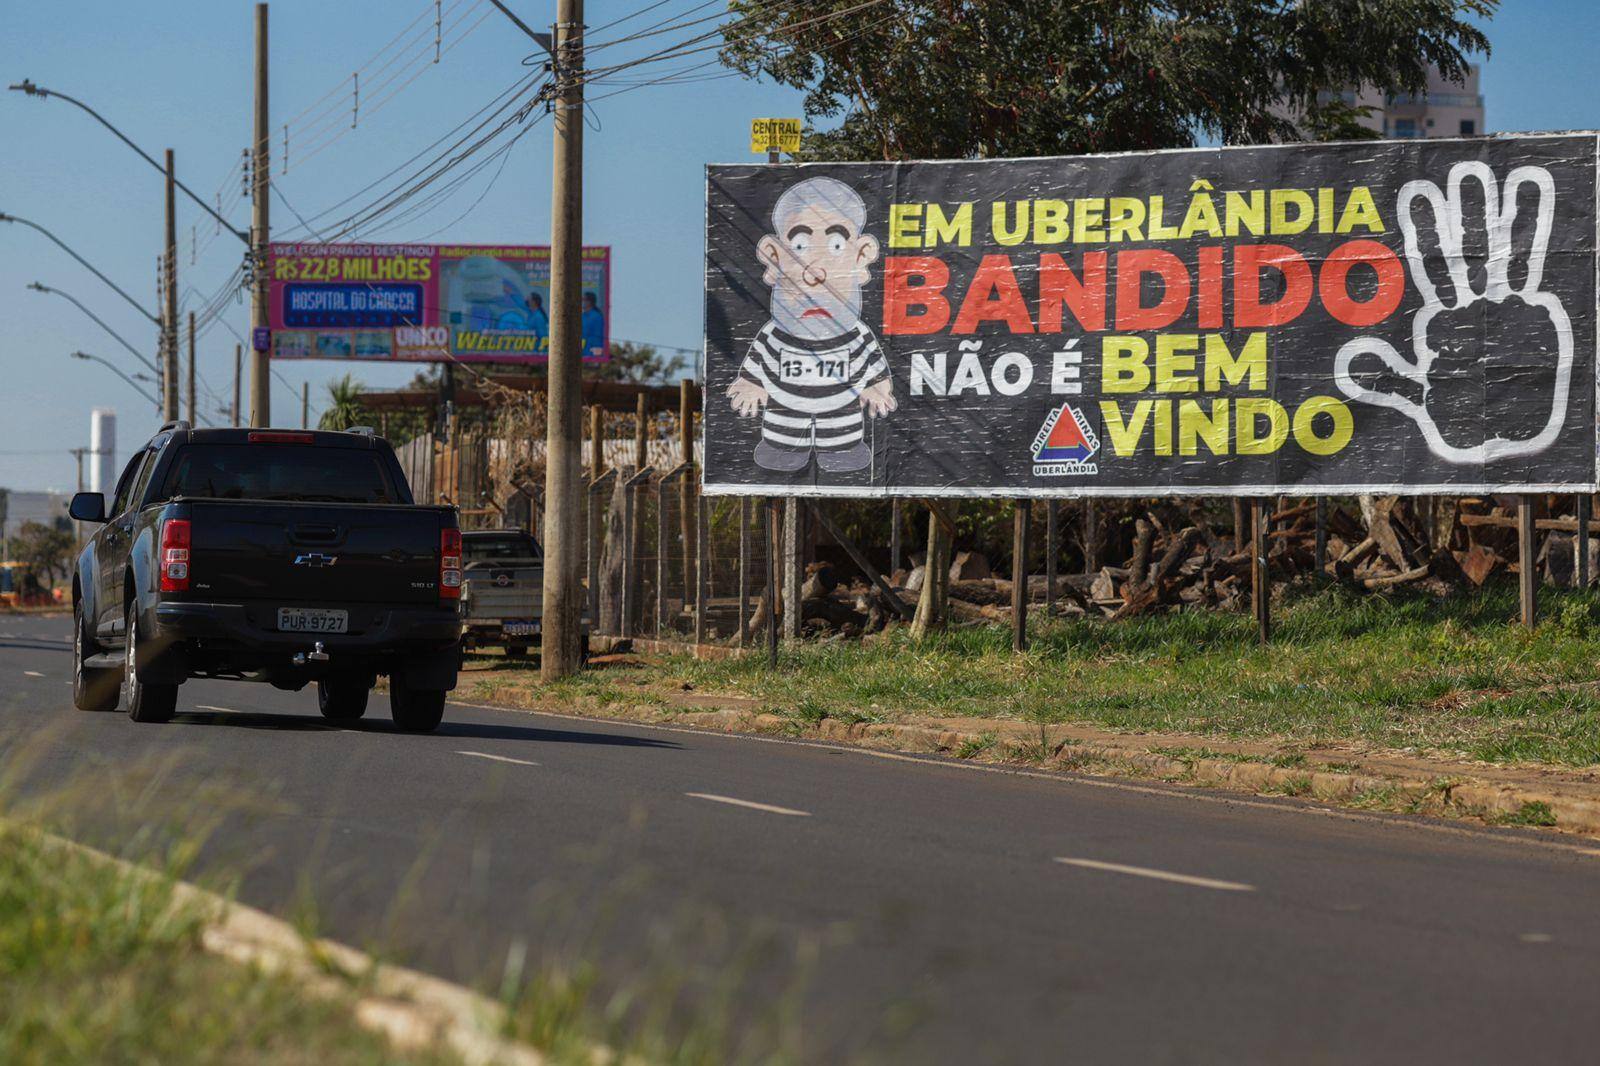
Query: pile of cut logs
{"type": "Point", "coordinates": [1173, 555]}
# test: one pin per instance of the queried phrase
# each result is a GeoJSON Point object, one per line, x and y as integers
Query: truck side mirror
{"type": "Point", "coordinates": [88, 507]}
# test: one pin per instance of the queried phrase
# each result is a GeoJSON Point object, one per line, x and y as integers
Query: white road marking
{"type": "Point", "coordinates": [1236, 800]}
{"type": "Point", "coordinates": [769, 808]}
{"type": "Point", "coordinates": [1536, 938]}
{"type": "Point", "coordinates": [31, 673]}
{"type": "Point", "coordinates": [1159, 875]}
{"type": "Point", "coordinates": [213, 707]}
{"type": "Point", "coordinates": [497, 758]}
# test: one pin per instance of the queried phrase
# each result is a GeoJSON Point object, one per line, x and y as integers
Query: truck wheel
{"type": "Point", "coordinates": [146, 703]}
{"type": "Point", "coordinates": [516, 651]}
{"type": "Point", "coordinates": [93, 688]}
{"type": "Point", "coordinates": [415, 710]}
{"type": "Point", "coordinates": [342, 701]}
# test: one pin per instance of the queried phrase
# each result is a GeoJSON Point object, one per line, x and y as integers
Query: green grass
{"type": "Point", "coordinates": [1534, 812]}
{"type": "Point", "coordinates": [1405, 671]}
{"type": "Point", "coordinates": [97, 965]}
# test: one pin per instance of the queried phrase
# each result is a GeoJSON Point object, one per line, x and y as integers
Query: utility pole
{"type": "Point", "coordinates": [559, 657]}
{"type": "Point", "coordinates": [169, 316]}
{"type": "Point", "coordinates": [238, 366]}
{"type": "Point", "coordinates": [305, 405]}
{"type": "Point", "coordinates": [261, 173]}
{"type": "Point", "coordinates": [194, 419]}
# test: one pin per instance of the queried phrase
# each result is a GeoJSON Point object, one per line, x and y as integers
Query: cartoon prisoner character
{"type": "Point", "coordinates": [815, 372]}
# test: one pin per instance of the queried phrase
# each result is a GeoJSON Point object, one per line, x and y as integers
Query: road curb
{"type": "Point", "coordinates": [414, 1011]}
{"type": "Point", "coordinates": [1448, 792]}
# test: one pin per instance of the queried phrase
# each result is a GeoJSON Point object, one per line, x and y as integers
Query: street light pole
{"type": "Point", "coordinates": [169, 325]}
{"type": "Point", "coordinates": [115, 370]}
{"type": "Point", "coordinates": [28, 87]}
{"type": "Point", "coordinates": [38, 287]}
{"type": "Point", "coordinates": [57, 241]}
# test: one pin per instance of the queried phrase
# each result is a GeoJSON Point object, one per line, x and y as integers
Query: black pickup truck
{"type": "Point", "coordinates": [266, 555]}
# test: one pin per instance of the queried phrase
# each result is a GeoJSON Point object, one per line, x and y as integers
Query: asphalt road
{"type": "Point", "coordinates": [914, 910]}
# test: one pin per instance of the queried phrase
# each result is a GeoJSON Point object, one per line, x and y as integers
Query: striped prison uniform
{"type": "Point", "coordinates": [814, 386]}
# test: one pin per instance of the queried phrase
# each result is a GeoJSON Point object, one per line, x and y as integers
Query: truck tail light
{"type": "Point", "coordinates": [175, 555]}
{"type": "Point", "coordinates": [449, 564]}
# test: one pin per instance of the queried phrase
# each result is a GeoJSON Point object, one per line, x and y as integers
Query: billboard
{"type": "Point", "coordinates": [426, 302]}
{"type": "Point", "coordinates": [1385, 316]}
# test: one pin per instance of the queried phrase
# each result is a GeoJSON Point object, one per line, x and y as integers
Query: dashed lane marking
{"type": "Point", "coordinates": [31, 673]}
{"type": "Point", "coordinates": [497, 758]}
{"type": "Point", "coordinates": [752, 805]}
{"type": "Point", "coordinates": [1158, 875]}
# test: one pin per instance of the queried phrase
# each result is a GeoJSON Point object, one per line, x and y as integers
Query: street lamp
{"type": "Point", "coordinates": [113, 368]}
{"type": "Point", "coordinates": [28, 87]}
{"type": "Point", "coordinates": [39, 287]}
{"type": "Point", "coordinates": [59, 243]}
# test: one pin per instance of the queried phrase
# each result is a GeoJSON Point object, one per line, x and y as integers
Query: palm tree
{"type": "Point", "coordinates": [344, 404]}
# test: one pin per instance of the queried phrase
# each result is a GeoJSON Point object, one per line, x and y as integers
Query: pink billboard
{"type": "Point", "coordinates": [426, 302]}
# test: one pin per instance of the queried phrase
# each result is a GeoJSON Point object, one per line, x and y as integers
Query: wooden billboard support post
{"type": "Point", "coordinates": [1052, 546]}
{"type": "Point", "coordinates": [686, 493]}
{"type": "Point", "coordinates": [1260, 584]}
{"type": "Point", "coordinates": [774, 539]}
{"type": "Point", "coordinates": [744, 567]}
{"type": "Point", "coordinates": [1022, 511]}
{"type": "Point", "coordinates": [1322, 536]}
{"type": "Point", "coordinates": [1580, 543]}
{"type": "Point", "coordinates": [1526, 579]}
{"type": "Point", "coordinates": [1091, 562]}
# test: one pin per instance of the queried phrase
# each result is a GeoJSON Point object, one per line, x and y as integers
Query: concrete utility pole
{"type": "Point", "coordinates": [563, 484]}
{"type": "Point", "coordinates": [238, 366]}
{"type": "Point", "coordinates": [194, 419]}
{"type": "Point", "coordinates": [261, 172]}
{"type": "Point", "coordinates": [169, 314]}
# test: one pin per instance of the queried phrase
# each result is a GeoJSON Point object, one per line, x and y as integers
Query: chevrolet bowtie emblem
{"type": "Point", "coordinates": [315, 559]}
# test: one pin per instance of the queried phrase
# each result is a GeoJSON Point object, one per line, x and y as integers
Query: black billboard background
{"type": "Point", "coordinates": [976, 445]}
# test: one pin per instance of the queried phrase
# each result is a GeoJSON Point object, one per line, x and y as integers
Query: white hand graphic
{"type": "Point", "coordinates": [1481, 352]}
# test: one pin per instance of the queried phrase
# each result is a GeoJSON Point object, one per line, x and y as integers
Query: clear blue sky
{"type": "Point", "coordinates": [178, 74]}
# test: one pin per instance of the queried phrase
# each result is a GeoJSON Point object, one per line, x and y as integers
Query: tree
{"type": "Point", "coordinates": [953, 79]}
{"type": "Point", "coordinates": [46, 549]}
{"type": "Point", "coordinates": [344, 405]}
{"type": "Point", "coordinates": [643, 363]}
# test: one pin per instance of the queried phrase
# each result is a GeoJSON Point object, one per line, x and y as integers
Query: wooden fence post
{"type": "Point", "coordinates": [1022, 511]}
{"type": "Point", "coordinates": [1527, 580]}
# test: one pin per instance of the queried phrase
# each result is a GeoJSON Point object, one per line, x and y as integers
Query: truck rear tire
{"type": "Point", "coordinates": [415, 710]}
{"type": "Point", "coordinates": [342, 701]}
{"type": "Point", "coordinates": [146, 703]}
{"type": "Point", "coordinates": [93, 688]}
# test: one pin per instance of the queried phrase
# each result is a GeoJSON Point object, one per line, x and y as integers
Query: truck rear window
{"type": "Point", "coordinates": [293, 472]}
{"type": "Point", "coordinates": [508, 546]}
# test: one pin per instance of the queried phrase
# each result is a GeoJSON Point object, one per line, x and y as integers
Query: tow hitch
{"type": "Point", "coordinates": [315, 655]}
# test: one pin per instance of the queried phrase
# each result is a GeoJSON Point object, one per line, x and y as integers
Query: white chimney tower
{"type": "Point", "coordinates": [102, 450]}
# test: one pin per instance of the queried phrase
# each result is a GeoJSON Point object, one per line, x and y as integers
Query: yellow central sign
{"type": "Point", "coordinates": [774, 134]}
